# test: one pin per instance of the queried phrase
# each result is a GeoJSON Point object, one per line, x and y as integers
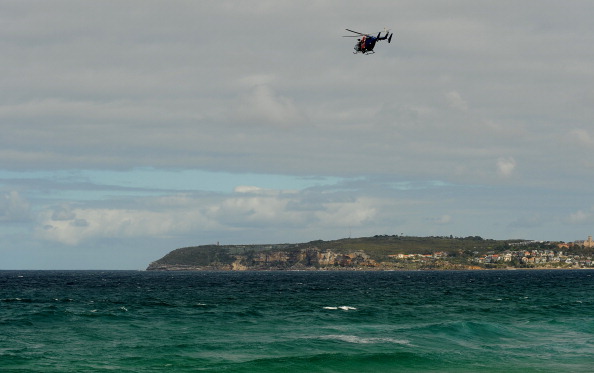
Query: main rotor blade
{"type": "Point", "coordinates": [356, 32]}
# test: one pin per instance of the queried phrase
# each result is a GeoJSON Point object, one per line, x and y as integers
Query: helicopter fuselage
{"type": "Point", "coordinates": [365, 45]}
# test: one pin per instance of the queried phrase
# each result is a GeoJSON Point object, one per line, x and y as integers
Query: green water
{"type": "Point", "coordinates": [471, 321]}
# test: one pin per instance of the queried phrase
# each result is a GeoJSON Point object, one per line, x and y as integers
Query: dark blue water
{"type": "Point", "coordinates": [470, 321]}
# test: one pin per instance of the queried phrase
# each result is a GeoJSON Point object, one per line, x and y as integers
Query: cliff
{"type": "Point", "coordinates": [368, 253]}
{"type": "Point", "coordinates": [204, 258]}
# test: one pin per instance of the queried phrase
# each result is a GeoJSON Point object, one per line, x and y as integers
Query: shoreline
{"type": "Point", "coordinates": [365, 269]}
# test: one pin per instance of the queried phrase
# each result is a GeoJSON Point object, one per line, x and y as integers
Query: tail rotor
{"type": "Point", "coordinates": [388, 34]}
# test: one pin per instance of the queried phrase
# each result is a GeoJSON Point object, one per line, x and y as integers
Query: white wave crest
{"type": "Point", "coordinates": [363, 340]}
{"type": "Point", "coordinates": [344, 308]}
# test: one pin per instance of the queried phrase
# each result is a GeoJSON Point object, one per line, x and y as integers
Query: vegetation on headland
{"type": "Point", "coordinates": [381, 252]}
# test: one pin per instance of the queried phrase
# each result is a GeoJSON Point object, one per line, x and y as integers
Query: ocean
{"type": "Point", "coordinates": [403, 321]}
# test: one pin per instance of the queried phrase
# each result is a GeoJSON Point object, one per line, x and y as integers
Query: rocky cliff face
{"type": "Point", "coordinates": [205, 258]}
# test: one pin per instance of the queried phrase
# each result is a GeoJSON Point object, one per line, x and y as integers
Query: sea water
{"type": "Point", "coordinates": [467, 321]}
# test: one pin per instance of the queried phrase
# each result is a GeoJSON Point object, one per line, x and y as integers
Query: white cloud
{"type": "Point", "coordinates": [243, 211]}
{"type": "Point", "coordinates": [506, 166]}
{"type": "Point", "coordinates": [444, 219]}
{"type": "Point", "coordinates": [248, 208]}
{"type": "Point", "coordinates": [98, 223]}
{"type": "Point", "coordinates": [264, 105]}
{"type": "Point", "coordinates": [347, 214]}
{"type": "Point", "coordinates": [528, 221]}
{"type": "Point", "coordinates": [580, 137]}
{"type": "Point", "coordinates": [456, 101]}
{"type": "Point", "coordinates": [248, 189]}
{"type": "Point", "coordinates": [580, 217]}
{"type": "Point", "coordinates": [63, 212]}
{"type": "Point", "coordinates": [13, 207]}
{"type": "Point", "coordinates": [257, 80]}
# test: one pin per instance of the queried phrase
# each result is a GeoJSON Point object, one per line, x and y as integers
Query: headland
{"type": "Point", "coordinates": [382, 252]}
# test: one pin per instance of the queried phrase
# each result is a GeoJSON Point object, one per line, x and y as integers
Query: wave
{"type": "Point", "coordinates": [335, 362]}
{"type": "Point", "coordinates": [467, 333]}
{"type": "Point", "coordinates": [363, 340]}
{"type": "Point", "coordinates": [14, 300]}
{"type": "Point", "coordinates": [344, 308]}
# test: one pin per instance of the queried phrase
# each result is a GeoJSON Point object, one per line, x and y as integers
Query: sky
{"type": "Point", "coordinates": [132, 128]}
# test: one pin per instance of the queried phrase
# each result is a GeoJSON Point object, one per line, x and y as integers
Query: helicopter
{"type": "Point", "coordinates": [366, 42]}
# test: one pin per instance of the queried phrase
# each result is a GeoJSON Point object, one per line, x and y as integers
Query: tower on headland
{"type": "Point", "coordinates": [589, 243]}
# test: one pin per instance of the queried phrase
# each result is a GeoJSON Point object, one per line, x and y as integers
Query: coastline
{"type": "Point", "coordinates": [380, 253]}
{"type": "Point", "coordinates": [194, 269]}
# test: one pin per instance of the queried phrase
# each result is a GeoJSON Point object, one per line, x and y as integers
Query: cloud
{"type": "Point", "coordinates": [264, 106]}
{"type": "Point", "coordinates": [62, 213]}
{"type": "Point", "coordinates": [444, 219]}
{"type": "Point", "coordinates": [580, 137]}
{"type": "Point", "coordinates": [247, 208]}
{"type": "Point", "coordinates": [88, 224]}
{"type": "Point", "coordinates": [580, 217]}
{"type": "Point", "coordinates": [529, 221]}
{"type": "Point", "coordinates": [247, 189]}
{"type": "Point", "coordinates": [252, 211]}
{"type": "Point", "coordinates": [506, 166]}
{"type": "Point", "coordinates": [455, 101]}
{"type": "Point", "coordinates": [347, 213]}
{"type": "Point", "coordinates": [14, 207]}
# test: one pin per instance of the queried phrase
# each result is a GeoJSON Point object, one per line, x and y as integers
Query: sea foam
{"type": "Point", "coordinates": [363, 340]}
{"type": "Point", "coordinates": [344, 308]}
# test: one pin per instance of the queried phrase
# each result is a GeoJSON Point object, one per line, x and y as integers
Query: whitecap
{"type": "Point", "coordinates": [344, 308]}
{"type": "Point", "coordinates": [363, 340]}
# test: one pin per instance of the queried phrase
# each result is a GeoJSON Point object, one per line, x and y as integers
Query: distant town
{"type": "Point", "coordinates": [385, 253]}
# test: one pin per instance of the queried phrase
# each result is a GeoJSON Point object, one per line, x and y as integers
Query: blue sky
{"type": "Point", "coordinates": [132, 128]}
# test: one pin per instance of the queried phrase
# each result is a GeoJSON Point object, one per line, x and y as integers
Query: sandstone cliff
{"type": "Point", "coordinates": [294, 258]}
